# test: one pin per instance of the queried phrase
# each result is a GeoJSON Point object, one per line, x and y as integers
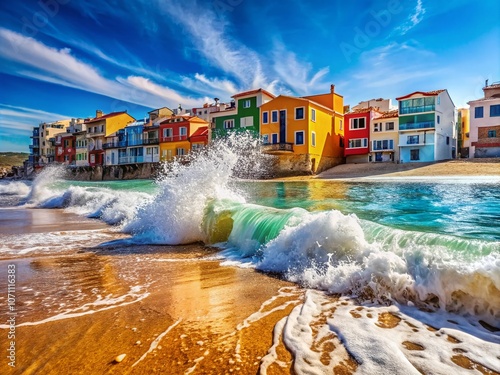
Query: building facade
{"type": "Point", "coordinates": [175, 133]}
{"type": "Point", "coordinates": [100, 127]}
{"type": "Point", "coordinates": [357, 134]}
{"type": "Point", "coordinates": [305, 134]}
{"type": "Point", "coordinates": [463, 132]}
{"type": "Point", "coordinates": [485, 123]}
{"type": "Point", "coordinates": [427, 127]}
{"type": "Point", "coordinates": [244, 117]}
{"type": "Point", "coordinates": [384, 138]}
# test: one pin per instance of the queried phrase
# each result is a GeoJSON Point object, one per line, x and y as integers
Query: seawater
{"type": "Point", "coordinates": [429, 249]}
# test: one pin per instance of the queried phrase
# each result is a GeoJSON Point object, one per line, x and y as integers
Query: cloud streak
{"type": "Point", "coordinates": [414, 19]}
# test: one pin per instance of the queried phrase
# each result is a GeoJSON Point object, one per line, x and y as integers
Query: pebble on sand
{"type": "Point", "coordinates": [120, 358]}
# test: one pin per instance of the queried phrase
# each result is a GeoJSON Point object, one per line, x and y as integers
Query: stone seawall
{"type": "Point", "coordinates": [113, 172]}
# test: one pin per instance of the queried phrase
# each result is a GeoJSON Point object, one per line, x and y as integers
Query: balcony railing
{"type": "Point", "coordinates": [174, 138]}
{"type": "Point", "coordinates": [131, 159]}
{"type": "Point", "coordinates": [417, 125]}
{"type": "Point", "coordinates": [277, 147]}
{"type": "Point", "coordinates": [119, 144]}
{"type": "Point", "coordinates": [419, 109]}
{"type": "Point", "coordinates": [151, 141]}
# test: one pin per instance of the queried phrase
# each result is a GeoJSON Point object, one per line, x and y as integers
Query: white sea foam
{"type": "Point", "coordinates": [378, 347]}
{"type": "Point", "coordinates": [19, 188]}
{"type": "Point", "coordinates": [176, 213]}
{"type": "Point", "coordinates": [136, 294]}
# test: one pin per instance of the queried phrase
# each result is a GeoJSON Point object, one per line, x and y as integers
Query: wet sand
{"type": "Point", "coordinates": [170, 310]}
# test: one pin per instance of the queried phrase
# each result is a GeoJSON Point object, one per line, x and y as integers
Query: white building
{"type": "Point", "coordinates": [384, 138]}
{"type": "Point", "coordinates": [485, 123]}
{"type": "Point", "coordinates": [427, 127]}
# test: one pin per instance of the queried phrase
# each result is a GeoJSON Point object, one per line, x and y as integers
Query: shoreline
{"type": "Point", "coordinates": [460, 168]}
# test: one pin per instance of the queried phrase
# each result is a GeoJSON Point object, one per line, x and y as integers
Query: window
{"type": "Point", "coordinates": [387, 144]}
{"type": "Point", "coordinates": [197, 146]}
{"type": "Point", "coordinates": [447, 140]}
{"type": "Point", "coordinates": [438, 100]}
{"type": "Point", "coordinates": [313, 115]}
{"type": "Point", "coordinates": [492, 133]}
{"type": "Point", "coordinates": [274, 137]}
{"type": "Point", "coordinates": [412, 140]}
{"type": "Point", "coordinates": [313, 139]}
{"type": "Point", "coordinates": [358, 123]}
{"type": "Point", "coordinates": [299, 138]}
{"type": "Point", "coordinates": [246, 121]}
{"type": "Point", "coordinates": [229, 124]}
{"type": "Point", "coordinates": [438, 119]}
{"type": "Point", "coordinates": [246, 103]}
{"type": "Point", "coordinates": [265, 138]}
{"type": "Point", "coordinates": [414, 154]}
{"type": "Point", "coordinates": [389, 126]}
{"type": "Point", "coordinates": [478, 112]}
{"type": "Point", "coordinates": [299, 113]}
{"type": "Point", "coordinates": [377, 127]}
{"type": "Point", "coordinates": [274, 116]}
{"type": "Point", "coordinates": [181, 152]}
{"type": "Point", "coordinates": [167, 133]}
{"type": "Point", "coordinates": [358, 143]}
{"type": "Point", "coordinates": [265, 117]}
{"type": "Point", "coordinates": [341, 124]}
{"type": "Point", "coordinates": [495, 110]}
{"type": "Point", "coordinates": [182, 131]}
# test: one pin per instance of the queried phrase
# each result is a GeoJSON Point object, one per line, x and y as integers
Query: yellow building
{"type": "Point", "coordinates": [100, 127]}
{"type": "Point", "coordinates": [176, 133]}
{"type": "Point", "coordinates": [463, 123]}
{"type": "Point", "coordinates": [306, 133]}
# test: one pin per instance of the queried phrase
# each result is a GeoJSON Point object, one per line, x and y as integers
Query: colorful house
{"type": "Point", "coordinates": [463, 127]}
{"type": "Point", "coordinates": [485, 123]}
{"type": "Point", "coordinates": [384, 138]}
{"type": "Point", "coordinates": [427, 127]}
{"type": "Point", "coordinates": [305, 134]}
{"type": "Point", "coordinates": [100, 127]}
{"type": "Point", "coordinates": [199, 139]}
{"type": "Point", "coordinates": [151, 141]}
{"type": "Point", "coordinates": [65, 148]}
{"type": "Point", "coordinates": [357, 134]}
{"type": "Point", "coordinates": [244, 115]}
{"type": "Point", "coordinates": [175, 133]}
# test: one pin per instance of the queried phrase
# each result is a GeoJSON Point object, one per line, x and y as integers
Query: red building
{"type": "Point", "coordinates": [176, 133]}
{"type": "Point", "coordinates": [357, 134]}
{"type": "Point", "coordinates": [200, 138]}
{"type": "Point", "coordinates": [65, 148]}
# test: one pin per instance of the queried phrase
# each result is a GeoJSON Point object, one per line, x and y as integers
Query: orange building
{"type": "Point", "coordinates": [305, 133]}
{"type": "Point", "coordinates": [175, 134]}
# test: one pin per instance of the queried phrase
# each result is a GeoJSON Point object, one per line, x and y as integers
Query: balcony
{"type": "Point", "coordinates": [151, 141]}
{"type": "Point", "coordinates": [130, 159]}
{"type": "Point", "coordinates": [174, 138]}
{"type": "Point", "coordinates": [33, 147]}
{"type": "Point", "coordinates": [417, 125]}
{"type": "Point", "coordinates": [419, 109]}
{"type": "Point", "coordinates": [277, 148]}
{"type": "Point", "coordinates": [118, 144]}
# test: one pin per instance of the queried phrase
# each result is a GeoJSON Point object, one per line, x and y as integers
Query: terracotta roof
{"type": "Point", "coordinates": [103, 117]}
{"type": "Point", "coordinates": [245, 93]}
{"type": "Point", "coordinates": [183, 118]}
{"type": "Point", "coordinates": [390, 114]}
{"type": "Point", "coordinates": [200, 132]}
{"type": "Point", "coordinates": [424, 93]}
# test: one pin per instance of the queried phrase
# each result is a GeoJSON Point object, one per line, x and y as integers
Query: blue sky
{"type": "Point", "coordinates": [67, 58]}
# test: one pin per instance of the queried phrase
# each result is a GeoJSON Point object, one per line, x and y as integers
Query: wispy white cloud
{"type": "Point", "coordinates": [39, 61]}
{"type": "Point", "coordinates": [297, 74]}
{"type": "Point", "coordinates": [16, 117]}
{"type": "Point", "coordinates": [414, 19]}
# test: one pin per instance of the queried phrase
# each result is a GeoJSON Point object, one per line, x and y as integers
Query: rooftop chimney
{"type": "Point", "coordinates": [332, 88]}
{"type": "Point", "coordinates": [98, 113]}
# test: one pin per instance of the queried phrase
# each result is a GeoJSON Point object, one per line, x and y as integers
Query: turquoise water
{"type": "Point", "coordinates": [470, 210]}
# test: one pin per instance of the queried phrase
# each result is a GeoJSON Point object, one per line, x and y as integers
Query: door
{"type": "Point", "coordinates": [282, 126]}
